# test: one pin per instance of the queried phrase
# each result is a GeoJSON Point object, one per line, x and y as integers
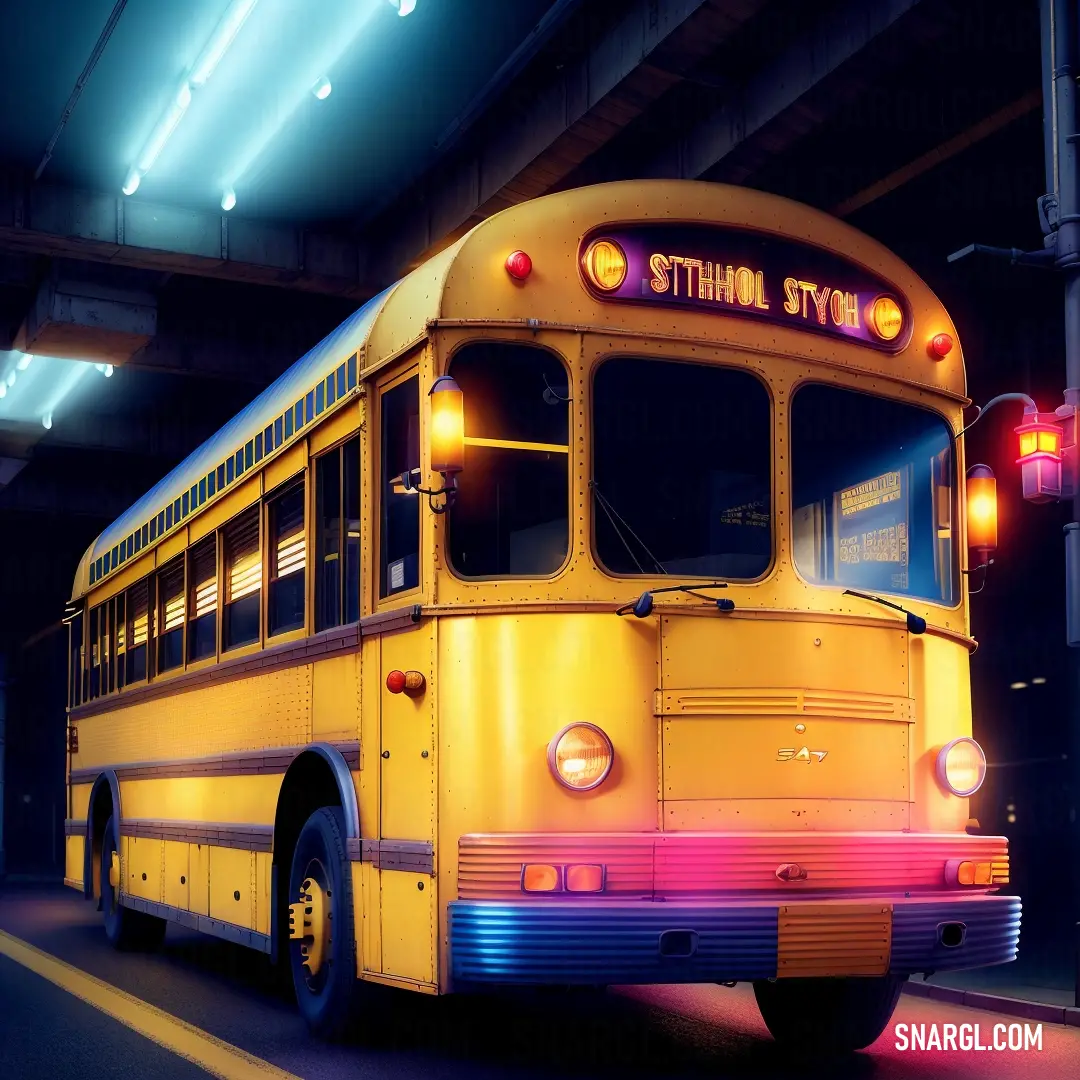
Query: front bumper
{"type": "Point", "coordinates": [625, 942]}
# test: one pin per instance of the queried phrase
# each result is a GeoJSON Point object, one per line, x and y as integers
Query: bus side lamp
{"type": "Point", "coordinates": [411, 683]}
{"type": "Point", "coordinates": [981, 520]}
{"type": "Point", "coordinates": [446, 446]}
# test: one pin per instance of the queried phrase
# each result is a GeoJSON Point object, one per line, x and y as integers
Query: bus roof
{"type": "Point", "coordinates": [467, 281]}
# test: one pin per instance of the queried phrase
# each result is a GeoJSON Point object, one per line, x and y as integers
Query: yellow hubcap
{"type": "Point", "coordinates": [309, 923]}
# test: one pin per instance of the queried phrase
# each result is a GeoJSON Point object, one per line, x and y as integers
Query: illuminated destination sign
{"type": "Point", "coordinates": [871, 531]}
{"type": "Point", "coordinates": [740, 272]}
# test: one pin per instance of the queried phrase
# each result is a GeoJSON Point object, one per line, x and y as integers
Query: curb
{"type": "Point", "coordinates": [1027, 1010]}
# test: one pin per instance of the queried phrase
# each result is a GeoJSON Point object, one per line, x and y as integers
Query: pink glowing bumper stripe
{"type": "Point", "coordinates": [647, 865]}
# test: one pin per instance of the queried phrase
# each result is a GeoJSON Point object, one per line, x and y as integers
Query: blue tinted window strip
{"type": "Point", "coordinates": [289, 424]}
{"type": "Point", "coordinates": [238, 461]}
{"type": "Point", "coordinates": [351, 371]}
{"type": "Point", "coordinates": [278, 435]}
{"type": "Point", "coordinates": [309, 407]}
{"type": "Point", "coordinates": [221, 476]}
{"type": "Point", "coordinates": [331, 390]}
{"type": "Point", "coordinates": [259, 446]}
{"type": "Point", "coordinates": [184, 505]}
{"type": "Point", "coordinates": [320, 399]}
{"type": "Point", "coordinates": [341, 381]}
{"type": "Point", "coordinates": [249, 454]}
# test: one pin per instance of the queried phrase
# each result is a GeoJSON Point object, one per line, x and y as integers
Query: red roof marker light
{"type": "Point", "coordinates": [518, 265]}
{"type": "Point", "coordinates": [940, 346]}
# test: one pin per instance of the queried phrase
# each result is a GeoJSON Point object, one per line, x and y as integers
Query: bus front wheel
{"type": "Point", "coordinates": [126, 929]}
{"type": "Point", "coordinates": [827, 1016]}
{"type": "Point", "coordinates": [322, 945]}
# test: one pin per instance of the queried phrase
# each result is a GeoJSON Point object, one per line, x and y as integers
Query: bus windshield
{"type": "Point", "coordinates": [681, 472]}
{"type": "Point", "coordinates": [873, 494]}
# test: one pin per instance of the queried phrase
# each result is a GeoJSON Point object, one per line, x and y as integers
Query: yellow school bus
{"type": "Point", "coordinates": [589, 608]}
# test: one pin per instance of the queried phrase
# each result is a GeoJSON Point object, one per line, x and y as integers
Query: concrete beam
{"type": "Point", "coordinates": [778, 87]}
{"type": "Point", "coordinates": [51, 219]}
{"type": "Point", "coordinates": [532, 140]}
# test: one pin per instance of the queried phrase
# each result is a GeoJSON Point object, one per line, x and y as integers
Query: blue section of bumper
{"type": "Point", "coordinates": [538, 943]}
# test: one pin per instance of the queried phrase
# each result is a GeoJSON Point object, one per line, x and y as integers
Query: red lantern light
{"type": "Point", "coordinates": [1040, 458]}
{"type": "Point", "coordinates": [395, 682]}
{"type": "Point", "coordinates": [518, 265]}
{"type": "Point", "coordinates": [940, 346]}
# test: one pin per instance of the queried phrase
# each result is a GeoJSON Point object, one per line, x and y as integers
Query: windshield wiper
{"type": "Point", "coordinates": [643, 605]}
{"type": "Point", "coordinates": [916, 624]}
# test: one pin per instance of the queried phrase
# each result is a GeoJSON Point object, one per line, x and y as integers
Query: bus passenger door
{"type": "Point", "coordinates": [404, 852]}
{"type": "Point", "coordinates": [407, 810]}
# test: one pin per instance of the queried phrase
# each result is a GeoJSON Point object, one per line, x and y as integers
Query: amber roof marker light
{"type": "Point", "coordinates": [885, 318]}
{"type": "Point", "coordinates": [604, 263]}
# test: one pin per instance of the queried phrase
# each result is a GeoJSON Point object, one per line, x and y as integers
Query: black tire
{"type": "Point", "coordinates": [126, 929]}
{"type": "Point", "coordinates": [827, 1016]}
{"type": "Point", "coordinates": [327, 1000]}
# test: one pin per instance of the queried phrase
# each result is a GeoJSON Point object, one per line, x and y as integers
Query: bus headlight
{"type": "Point", "coordinates": [580, 756]}
{"type": "Point", "coordinates": [961, 766]}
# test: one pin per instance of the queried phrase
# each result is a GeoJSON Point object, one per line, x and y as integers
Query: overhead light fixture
{"type": "Point", "coordinates": [24, 362]}
{"type": "Point", "coordinates": [1038, 680]}
{"type": "Point", "coordinates": [404, 7]}
{"type": "Point", "coordinates": [228, 200]}
{"type": "Point", "coordinates": [105, 369]}
{"type": "Point", "coordinates": [322, 88]}
{"type": "Point", "coordinates": [46, 421]}
{"type": "Point", "coordinates": [3, 389]}
{"type": "Point", "coordinates": [223, 36]}
{"type": "Point", "coordinates": [11, 378]}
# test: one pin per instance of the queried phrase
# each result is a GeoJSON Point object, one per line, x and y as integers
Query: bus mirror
{"type": "Point", "coordinates": [408, 483]}
{"type": "Point", "coordinates": [981, 510]}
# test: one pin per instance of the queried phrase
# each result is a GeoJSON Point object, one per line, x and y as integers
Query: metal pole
{"type": "Point", "coordinates": [1059, 59]}
{"type": "Point", "coordinates": [3, 719]}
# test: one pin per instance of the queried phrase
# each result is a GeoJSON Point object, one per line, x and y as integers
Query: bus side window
{"type": "Point", "coordinates": [400, 430]}
{"type": "Point", "coordinates": [75, 661]}
{"type": "Point", "coordinates": [171, 616]}
{"type": "Point", "coordinates": [95, 654]}
{"type": "Point", "coordinates": [288, 550]}
{"type": "Point", "coordinates": [137, 631]}
{"type": "Point", "coordinates": [243, 581]}
{"type": "Point", "coordinates": [202, 630]}
{"type": "Point", "coordinates": [337, 536]}
{"type": "Point", "coordinates": [328, 540]}
{"type": "Point", "coordinates": [121, 638]}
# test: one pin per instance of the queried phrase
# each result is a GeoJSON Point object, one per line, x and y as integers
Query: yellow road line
{"type": "Point", "coordinates": [215, 1056]}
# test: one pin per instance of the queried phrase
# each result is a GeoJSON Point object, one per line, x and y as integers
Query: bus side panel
{"type": "Point", "coordinates": [232, 874]}
{"type": "Point", "coordinates": [335, 713]}
{"type": "Point", "coordinates": [941, 685]}
{"type": "Point", "coordinates": [177, 877]}
{"type": "Point", "coordinates": [73, 861]}
{"type": "Point", "coordinates": [199, 880]}
{"type": "Point", "coordinates": [408, 775]}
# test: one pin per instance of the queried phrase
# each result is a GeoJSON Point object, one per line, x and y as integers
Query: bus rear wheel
{"type": "Point", "coordinates": [126, 929]}
{"type": "Point", "coordinates": [322, 945]}
{"type": "Point", "coordinates": [827, 1016]}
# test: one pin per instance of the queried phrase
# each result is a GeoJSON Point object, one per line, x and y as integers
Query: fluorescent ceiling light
{"type": "Point", "coordinates": [222, 38]}
{"type": "Point", "coordinates": [322, 88]}
{"type": "Point", "coordinates": [39, 391]}
{"type": "Point", "coordinates": [228, 199]}
{"type": "Point", "coordinates": [404, 7]}
{"type": "Point", "coordinates": [166, 126]}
